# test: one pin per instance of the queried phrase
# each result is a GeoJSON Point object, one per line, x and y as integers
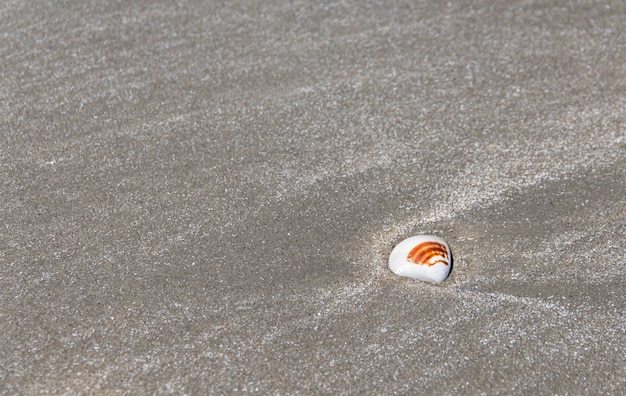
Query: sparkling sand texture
{"type": "Point", "coordinates": [201, 197]}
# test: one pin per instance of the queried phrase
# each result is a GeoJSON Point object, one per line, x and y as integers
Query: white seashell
{"type": "Point", "coordinates": [423, 257]}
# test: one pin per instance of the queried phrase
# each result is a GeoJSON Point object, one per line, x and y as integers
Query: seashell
{"type": "Point", "coordinates": [423, 257]}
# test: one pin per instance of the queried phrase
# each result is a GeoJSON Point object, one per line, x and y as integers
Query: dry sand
{"type": "Point", "coordinates": [200, 197]}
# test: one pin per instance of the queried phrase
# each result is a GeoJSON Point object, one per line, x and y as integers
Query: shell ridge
{"type": "Point", "coordinates": [425, 253]}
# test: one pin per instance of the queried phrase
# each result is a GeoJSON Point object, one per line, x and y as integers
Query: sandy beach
{"type": "Point", "coordinates": [201, 198]}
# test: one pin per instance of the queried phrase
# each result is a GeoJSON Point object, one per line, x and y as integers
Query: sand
{"type": "Point", "coordinates": [201, 198]}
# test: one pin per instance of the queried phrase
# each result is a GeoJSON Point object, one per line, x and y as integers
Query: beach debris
{"type": "Point", "coordinates": [423, 257]}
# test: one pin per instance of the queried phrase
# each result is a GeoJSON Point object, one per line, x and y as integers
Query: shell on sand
{"type": "Point", "coordinates": [424, 257]}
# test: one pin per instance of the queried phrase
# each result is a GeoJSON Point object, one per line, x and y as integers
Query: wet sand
{"type": "Point", "coordinates": [202, 198]}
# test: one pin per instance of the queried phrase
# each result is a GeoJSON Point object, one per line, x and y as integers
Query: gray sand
{"type": "Point", "coordinates": [202, 198]}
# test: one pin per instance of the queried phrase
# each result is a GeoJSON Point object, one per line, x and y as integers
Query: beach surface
{"type": "Point", "coordinates": [200, 197]}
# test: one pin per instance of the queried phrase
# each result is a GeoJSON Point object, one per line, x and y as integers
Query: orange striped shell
{"type": "Point", "coordinates": [424, 257]}
{"type": "Point", "coordinates": [429, 253]}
